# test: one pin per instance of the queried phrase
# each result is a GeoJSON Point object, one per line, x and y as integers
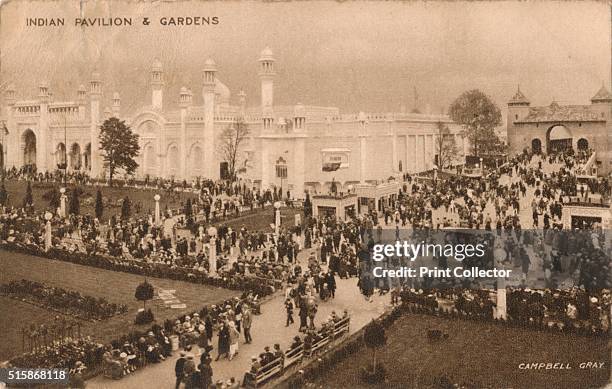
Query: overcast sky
{"type": "Point", "coordinates": [366, 56]}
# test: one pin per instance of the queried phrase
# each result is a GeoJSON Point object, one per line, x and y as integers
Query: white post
{"type": "Point", "coordinates": [277, 219]}
{"type": "Point", "coordinates": [48, 217]}
{"type": "Point", "coordinates": [212, 252]}
{"type": "Point", "coordinates": [157, 212]}
{"type": "Point", "coordinates": [63, 199]}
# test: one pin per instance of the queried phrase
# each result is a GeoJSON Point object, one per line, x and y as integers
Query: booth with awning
{"type": "Point", "coordinates": [341, 206]}
{"type": "Point", "coordinates": [376, 197]}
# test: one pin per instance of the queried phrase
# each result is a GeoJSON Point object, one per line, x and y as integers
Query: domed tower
{"type": "Point", "coordinates": [157, 83]}
{"type": "Point", "coordinates": [95, 92]}
{"type": "Point", "coordinates": [266, 74]}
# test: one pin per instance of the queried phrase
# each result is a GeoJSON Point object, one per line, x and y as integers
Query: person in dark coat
{"type": "Point", "coordinates": [206, 374]}
{"type": "Point", "coordinates": [178, 369]}
{"type": "Point", "coordinates": [224, 341]}
{"type": "Point", "coordinates": [331, 284]}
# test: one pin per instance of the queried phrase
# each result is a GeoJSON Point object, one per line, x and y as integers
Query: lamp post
{"type": "Point", "coordinates": [157, 197]}
{"type": "Point", "coordinates": [63, 199]}
{"type": "Point", "coordinates": [212, 252]}
{"type": "Point", "coordinates": [48, 216]}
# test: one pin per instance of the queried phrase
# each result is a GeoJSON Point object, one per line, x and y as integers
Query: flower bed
{"type": "Point", "coordinates": [65, 301]}
{"type": "Point", "coordinates": [258, 286]}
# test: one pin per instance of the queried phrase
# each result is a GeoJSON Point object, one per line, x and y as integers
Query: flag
{"type": "Point", "coordinates": [6, 131]}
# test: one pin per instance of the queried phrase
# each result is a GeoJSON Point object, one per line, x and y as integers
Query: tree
{"type": "Point", "coordinates": [119, 146]}
{"type": "Point", "coordinates": [99, 205]}
{"type": "Point", "coordinates": [28, 200]}
{"type": "Point", "coordinates": [374, 337]}
{"type": "Point", "coordinates": [479, 116]}
{"type": "Point", "coordinates": [231, 139]}
{"type": "Point", "coordinates": [144, 292]}
{"type": "Point", "coordinates": [75, 206]}
{"type": "Point", "coordinates": [3, 195]}
{"type": "Point", "coordinates": [125, 208]}
{"type": "Point", "coordinates": [446, 147]}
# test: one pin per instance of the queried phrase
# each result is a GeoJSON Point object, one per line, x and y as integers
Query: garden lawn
{"type": "Point", "coordinates": [261, 219]}
{"type": "Point", "coordinates": [173, 200]}
{"type": "Point", "coordinates": [485, 354]}
{"type": "Point", "coordinates": [114, 286]}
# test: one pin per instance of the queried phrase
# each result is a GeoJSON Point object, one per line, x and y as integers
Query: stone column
{"type": "Point", "coordinates": [363, 158]}
{"type": "Point", "coordinates": [183, 147]}
{"type": "Point", "coordinates": [299, 168]}
{"type": "Point", "coordinates": [394, 151]}
{"type": "Point", "coordinates": [423, 153]}
{"type": "Point", "coordinates": [415, 154]}
{"type": "Point", "coordinates": [265, 165]}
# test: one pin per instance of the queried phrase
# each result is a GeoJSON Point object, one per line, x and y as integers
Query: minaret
{"type": "Point", "coordinates": [157, 83]}
{"type": "Point", "coordinates": [116, 104]}
{"type": "Point", "coordinates": [81, 99]}
{"type": "Point", "coordinates": [209, 74]}
{"type": "Point", "coordinates": [95, 92]}
{"type": "Point", "coordinates": [43, 136]}
{"type": "Point", "coordinates": [266, 74]}
{"type": "Point", "coordinates": [242, 99]}
{"type": "Point", "coordinates": [10, 142]}
{"type": "Point", "coordinates": [185, 99]}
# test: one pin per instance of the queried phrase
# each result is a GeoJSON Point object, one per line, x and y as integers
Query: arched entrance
{"type": "Point", "coordinates": [582, 144]}
{"type": "Point", "coordinates": [536, 146]}
{"type": "Point", "coordinates": [559, 139]}
{"type": "Point", "coordinates": [195, 161]}
{"type": "Point", "coordinates": [75, 157]}
{"type": "Point", "coordinates": [60, 156]}
{"type": "Point", "coordinates": [150, 161]}
{"type": "Point", "coordinates": [172, 162]}
{"type": "Point", "coordinates": [28, 141]}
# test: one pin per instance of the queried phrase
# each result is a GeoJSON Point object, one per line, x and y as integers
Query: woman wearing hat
{"type": "Point", "coordinates": [234, 335]}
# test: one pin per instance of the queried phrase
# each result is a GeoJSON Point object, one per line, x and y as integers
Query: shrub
{"type": "Point", "coordinates": [99, 205]}
{"type": "Point", "coordinates": [144, 317]}
{"type": "Point", "coordinates": [144, 292]}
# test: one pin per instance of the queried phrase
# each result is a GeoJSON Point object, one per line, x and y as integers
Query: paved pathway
{"type": "Point", "coordinates": [268, 328]}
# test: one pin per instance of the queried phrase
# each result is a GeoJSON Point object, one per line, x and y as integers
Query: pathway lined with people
{"type": "Point", "coordinates": [267, 329]}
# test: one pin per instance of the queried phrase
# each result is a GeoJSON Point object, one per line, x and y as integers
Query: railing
{"type": "Point", "coordinates": [295, 355]}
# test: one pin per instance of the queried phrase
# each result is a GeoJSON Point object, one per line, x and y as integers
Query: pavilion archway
{"type": "Point", "coordinates": [536, 146]}
{"type": "Point", "coordinates": [582, 144]}
{"type": "Point", "coordinates": [28, 144]}
{"type": "Point", "coordinates": [559, 139]}
{"type": "Point", "coordinates": [75, 156]}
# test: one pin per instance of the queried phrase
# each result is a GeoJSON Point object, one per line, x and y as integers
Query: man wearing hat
{"type": "Point", "coordinates": [188, 369]}
{"type": "Point", "coordinates": [179, 369]}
